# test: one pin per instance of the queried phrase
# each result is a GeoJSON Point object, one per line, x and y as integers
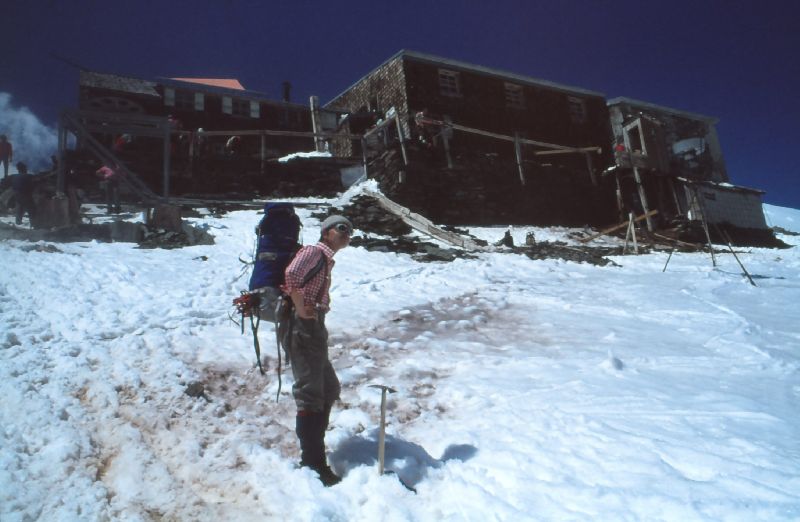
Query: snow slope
{"type": "Point", "coordinates": [527, 390]}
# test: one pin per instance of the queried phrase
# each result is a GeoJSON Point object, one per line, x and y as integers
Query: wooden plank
{"type": "Point", "coordinates": [618, 226]}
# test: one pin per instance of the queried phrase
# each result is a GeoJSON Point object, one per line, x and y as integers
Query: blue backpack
{"type": "Point", "coordinates": [278, 236]}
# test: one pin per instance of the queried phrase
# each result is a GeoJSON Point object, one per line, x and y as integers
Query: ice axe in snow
{"type": "Point", "coordinates": [382, 434]}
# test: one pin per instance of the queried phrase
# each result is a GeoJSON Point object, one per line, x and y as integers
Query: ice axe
{"type": "Point", "coordinates": [382, 433]}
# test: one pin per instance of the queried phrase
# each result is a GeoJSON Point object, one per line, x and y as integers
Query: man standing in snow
{"type": "Point", "coordinates": [316, 387]}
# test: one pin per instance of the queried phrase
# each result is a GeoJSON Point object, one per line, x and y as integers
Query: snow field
{"type": "Point", "coordinates": [527, 390]}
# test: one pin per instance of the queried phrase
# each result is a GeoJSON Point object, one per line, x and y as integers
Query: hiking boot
{"type": "Point", "coordinates": [328, 477]}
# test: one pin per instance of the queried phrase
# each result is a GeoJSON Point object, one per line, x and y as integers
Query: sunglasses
{"type": "Point", "coordinates": [344, 229]}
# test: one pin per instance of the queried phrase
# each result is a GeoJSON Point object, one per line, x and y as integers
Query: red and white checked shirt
{"type": "Point", "coordinates": [316, 290]}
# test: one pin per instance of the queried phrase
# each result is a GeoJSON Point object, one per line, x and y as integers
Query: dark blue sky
{"type": "Point", "coordinates": [734, 60]}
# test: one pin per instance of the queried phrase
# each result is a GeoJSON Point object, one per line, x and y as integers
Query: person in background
{"type": "Point", "coordinates": [6, 153]}
{"type": "Point", "coordinates": [110, 177]}
{"type": "Point", "coordinates": [22, 185]}
{"type": "Point", "coordinates": [316, 387]}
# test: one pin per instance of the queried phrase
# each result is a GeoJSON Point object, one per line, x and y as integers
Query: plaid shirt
{"type": "Point", "coordinates": [316, 290]}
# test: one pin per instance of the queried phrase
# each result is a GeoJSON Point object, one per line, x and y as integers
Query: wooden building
{"type": "Point", "coordinates": [671, 161]}
{"type": "Point", "coordinates": [481, 145]}
{"type": "Point", "coordinates": [214, 128]}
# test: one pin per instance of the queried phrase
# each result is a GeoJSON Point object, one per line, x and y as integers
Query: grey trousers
{"type": "Point", "coordinates": [316, 386]}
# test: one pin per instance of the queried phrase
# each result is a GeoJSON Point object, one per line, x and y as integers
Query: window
{"type": "Point", "coordinates": [241, 107]}
{"type": "Point", "coordinates": [199, 101]}
{"type": "Point", "coordinates": [169, 97]}
{"type": "Point", "coordinates": [184, 99]}
{"type": "Point", "coordinates": [514, 96]}
{"type": "Point", "coordinates": [227, 105]}
{"type": "Point", "coordinates": [577, 109]}
{"type": "Point", "coordinates": [255, 109]}
{"type": "Point", "coordinates": [449, 84]}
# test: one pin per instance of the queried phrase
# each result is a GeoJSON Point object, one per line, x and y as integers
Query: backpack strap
{"type": "Point", "coordinates": [322, 263]}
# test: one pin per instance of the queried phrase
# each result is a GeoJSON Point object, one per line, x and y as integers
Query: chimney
{"type": "Point", "coordinates": [287, 89]}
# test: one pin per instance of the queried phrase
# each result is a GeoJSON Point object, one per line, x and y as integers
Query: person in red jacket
{"type": "Point", "coordinates": [111, 177]}
{"type": "Point", "coordinates": [316, 387]}
{"type": "Point", "coordinates": [6, 153]}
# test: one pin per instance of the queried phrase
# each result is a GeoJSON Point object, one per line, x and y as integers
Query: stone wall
{"type": "Point", "coordinates": [486, 189]}
{"type": "Point", "coordinates": [380, 90]}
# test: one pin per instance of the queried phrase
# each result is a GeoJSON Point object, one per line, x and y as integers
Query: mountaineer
{"type": "Point", "coordinates": [316, 387]}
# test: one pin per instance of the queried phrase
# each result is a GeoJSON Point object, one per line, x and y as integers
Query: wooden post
{"type": "Point", "coordinates": [446, 143]}
{"type": "Point", "coordinates": [727, 237]}
{"type": "Point", "coordinates": [518, 152]}
{"type": "Point", "coordinates": [61, 180]}
{"type": "Point", "coordinates": [591, 168]}
{"type": "Point", "coordinates": [633, 234]}
{"type": "Point", "coordinates": [263, 153]}
{"type": "Point", "coordinates": [702, 211]}
{"type": "Point", "coordinates": [642, 197]}
{"type": "Point", "coordinates": [620, 205]}
{"type": "Point", "coordinates": [668, 258]}
{"type": "Point", "coordinates": [447, 132]}
{"type": "Point", "coordinates": [364, 155]}
{"type": "Point", "coordinates": [401, 138]}
{"type": "Point", "coordinates": [319, 144]}
{"type": "Point", "coordinates": [192, 138]}
{"type": "Point", "coordinates": [167, 152]}
{"type": "Point", "coordinates": [639, 186]}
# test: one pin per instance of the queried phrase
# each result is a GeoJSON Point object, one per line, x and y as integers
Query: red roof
{"type": "Point", "coordinates": [228, 83]}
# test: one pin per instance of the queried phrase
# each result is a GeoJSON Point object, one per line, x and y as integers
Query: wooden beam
{"type": "Point", "coordinates": [596, 150]}
{"type": "Point", "coordinates": [618, 226]}
{"type": "Point", "coordinates": [518, 152]}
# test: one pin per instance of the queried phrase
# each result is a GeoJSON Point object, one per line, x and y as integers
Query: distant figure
{"type": "Point", "coordinates": [22, 184]}
{"type": "Point", "coordinates": [122, 143]}
{"type": "Point", "coordinates": [110, 177]}
{"type": "Point", "coordinates": [233, 145]}
{"type": "Point", "coordinates": [6, 153]}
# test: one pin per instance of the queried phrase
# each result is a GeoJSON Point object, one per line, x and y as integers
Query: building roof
{"type": "Point", "coordinates": [206, 85]}
{"type": "Point", "coordinates": [622, 100]}
{"type": "Point", "coordinates": [118, 83]}
{"type": "Point", "coordinates": [722, 186]}
{"type": "Point", "coordinates": [228, 83]}
{"type": "Point", "coordinates": [455, 64]}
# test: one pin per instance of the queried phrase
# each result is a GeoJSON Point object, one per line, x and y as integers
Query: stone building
{"type": "Point", "coordinates": [481, 145]}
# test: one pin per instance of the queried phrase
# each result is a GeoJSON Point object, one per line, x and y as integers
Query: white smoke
{"type": "Point", "coordinates": [33, 141]}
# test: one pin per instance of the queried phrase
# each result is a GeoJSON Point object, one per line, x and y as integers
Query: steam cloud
{"type": "Point", "coordinates": [33, 141]}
